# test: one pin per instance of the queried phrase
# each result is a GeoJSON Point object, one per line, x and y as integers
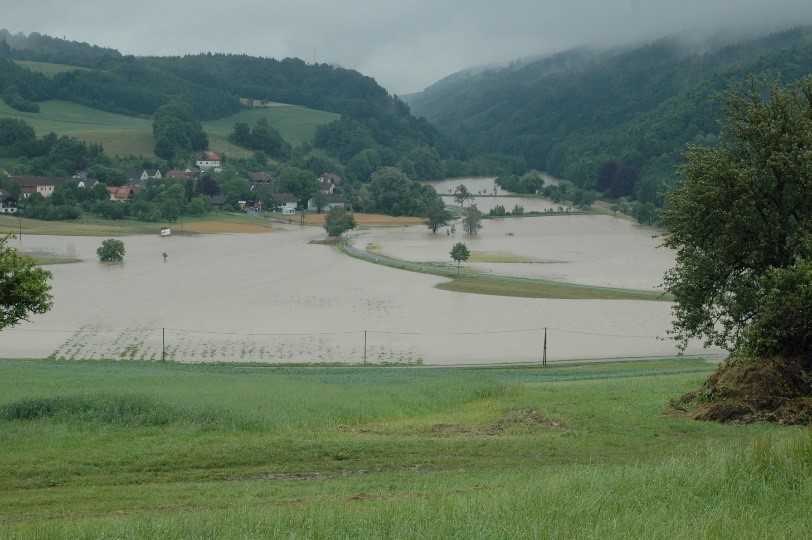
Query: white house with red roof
{"type": "Point", "coordinates": [208, 161]}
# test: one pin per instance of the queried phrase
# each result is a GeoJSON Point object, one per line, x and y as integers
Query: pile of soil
{"type": "Point", "coordinates": [746, 390]}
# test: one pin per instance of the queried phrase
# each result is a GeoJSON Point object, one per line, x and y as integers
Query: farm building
{"type": "Point", "coordinates": [44, 185]}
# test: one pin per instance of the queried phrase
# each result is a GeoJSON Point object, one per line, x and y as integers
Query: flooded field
{"type": "Point", "coordinates": [589, 249]}
{"type": "Point", "coordinates": [274, 298]}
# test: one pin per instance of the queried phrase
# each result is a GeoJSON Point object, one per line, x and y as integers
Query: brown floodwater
{"type": "Point", "coordinates": [275, 298]}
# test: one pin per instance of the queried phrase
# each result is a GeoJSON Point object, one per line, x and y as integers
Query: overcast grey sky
{"type": "Point", "coordinates": [406, 45]}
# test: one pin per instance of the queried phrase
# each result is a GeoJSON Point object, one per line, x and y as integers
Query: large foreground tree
{"type": "Point", "coordinates": [741, 225]}
{"type": "Point", "coordinates": [24, 288]}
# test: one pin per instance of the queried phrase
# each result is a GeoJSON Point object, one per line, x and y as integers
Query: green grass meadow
{"type": "Point", "coordinates": [47, 68]}
{"type": "Point", "coordinates": [129, 135]}
{"type": "Point", "coordinates": [296, 124]}
{"type": "Point", "coordinates": [140, 450]}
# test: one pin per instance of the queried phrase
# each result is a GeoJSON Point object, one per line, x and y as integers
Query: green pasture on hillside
{"type": "Point", "coordinates": [46, 68]}
{"type": "Point", "coordinates": [126, 135]}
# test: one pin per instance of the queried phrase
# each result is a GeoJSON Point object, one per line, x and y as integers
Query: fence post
{"type": "Point", "coordinates": [365, 347]}
{"type": "Point", "coordinates": [544, 355]}
{"type": "Point", "coordinates": [163, 344]}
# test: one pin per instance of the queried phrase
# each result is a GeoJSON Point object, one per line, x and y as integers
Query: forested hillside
{"type": "Point", "coordinates": [615, 120]}
{"type": "Point", "coordinates": [212, 85]}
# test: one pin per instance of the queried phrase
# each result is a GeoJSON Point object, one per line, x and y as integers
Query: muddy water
{"type": "Point", "coordinates": [274, 298]}
{"type": "Point", "coordinates": [586, 249]}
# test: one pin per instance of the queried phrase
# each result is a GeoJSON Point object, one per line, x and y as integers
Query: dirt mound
{"type": "Point", "coordinates": [747, 390]}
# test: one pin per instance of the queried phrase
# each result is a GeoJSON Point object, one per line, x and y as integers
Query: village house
{"type": "Point", "coordinates": [328, 182]}
{"type": "Point", "coordinates": [84, 181]}
{"type": "Point", "coordinates": [209, 161]}
{"type": "Point", "coordinates": [44, 185]}
{"type": "Point", "coordinates": [325, 203]}
{"type": "Point", "coordinates": [8, 203]}
{"type": "Point", "coordinates": [177, 174]}
{"type": "Point", "coordinates": [122, 193]}
{"type": "Point", "coordinates": [143, 175]}
{"type": "Point", "coordinates": [286, 203]}
{"type": "Point", "coordinates": [260, 178]}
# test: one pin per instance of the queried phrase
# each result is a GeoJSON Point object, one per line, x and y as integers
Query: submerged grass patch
{"type": "Point", "coordinates": [538, 288]}
{"type": "Point", "coordinates": [501, 257]}
{"type": "Point", "coordinates": [473, 282]}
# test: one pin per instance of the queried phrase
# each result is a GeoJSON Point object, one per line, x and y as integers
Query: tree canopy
{"type": "Point", "coordinates": [24, 288]}
{"type": "Point", "coordinates": [634, 108]}
{"type": "Point", "coordinates": [338, 221]}
{"type": "Point", "coordinates": [111, 250]}
{"type": "Point", "coordinates": [741, 225]}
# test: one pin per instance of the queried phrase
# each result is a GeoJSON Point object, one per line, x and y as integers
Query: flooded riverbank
{"type": "Point", "coordinates": [276, 299]}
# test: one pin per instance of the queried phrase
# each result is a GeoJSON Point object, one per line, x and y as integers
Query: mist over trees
{"type": "Point", "coordinates": [615, 121]}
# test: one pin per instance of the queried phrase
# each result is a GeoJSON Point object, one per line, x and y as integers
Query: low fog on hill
{"type": "Point", "coordinates": [406, 45]}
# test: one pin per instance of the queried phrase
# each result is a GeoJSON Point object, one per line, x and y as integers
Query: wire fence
{"type": "Point", "coordinates": [497, 346]}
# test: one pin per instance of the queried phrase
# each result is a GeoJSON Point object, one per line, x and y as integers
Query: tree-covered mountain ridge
{"type": "Point", "coordinates": [212, 84]}
{"type": "Point", "coordinates": [585, 113]}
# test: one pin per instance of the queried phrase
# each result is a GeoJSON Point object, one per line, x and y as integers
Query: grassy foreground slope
{"type": "Point", "coordinates": [125, 135]}
{"type": "Point", "coordinates": [131, 450]}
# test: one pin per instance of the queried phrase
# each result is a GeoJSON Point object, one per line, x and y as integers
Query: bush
{"type": "Point", "coordinates": [338, 222]}
{"type": "Point", "coordinates": [498, 211]}
{"type": "Point", "coordinates": [111, 250]}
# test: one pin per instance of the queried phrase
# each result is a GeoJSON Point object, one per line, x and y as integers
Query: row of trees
{"type": "Point", "coordinates": [49, 155]}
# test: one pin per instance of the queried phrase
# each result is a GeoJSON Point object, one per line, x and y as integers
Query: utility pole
{"type": "Point", "coordinates": [544, 355]}
{"type": "Point", "coordinates": [163, 344]}
{"type": "Point", "coordinates": [365, 347]}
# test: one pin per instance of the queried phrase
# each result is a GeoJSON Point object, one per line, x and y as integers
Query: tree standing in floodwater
{"type": "Point", "coordinates": [471, 220]}
{"type": "Point", "coordinates": [460, 254]}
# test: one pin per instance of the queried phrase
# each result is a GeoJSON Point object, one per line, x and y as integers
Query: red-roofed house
{"type": "Point", "coordinates": [177, 174]}
{"type": "Point", "coordinates": [209, 161]}
{"type": "Point", "coordinates": [122, 193]}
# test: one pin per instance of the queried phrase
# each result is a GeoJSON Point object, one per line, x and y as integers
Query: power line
{"type": "Point", "coordinates": [253, 333]}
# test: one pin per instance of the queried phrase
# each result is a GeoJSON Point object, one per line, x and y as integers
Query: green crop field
{"type": "Point", "coordinates": [139, 450]}
{"type": "Point", "coordinates": [125, 135]}
{"type": "Point", "coordinates": [47, 68]}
